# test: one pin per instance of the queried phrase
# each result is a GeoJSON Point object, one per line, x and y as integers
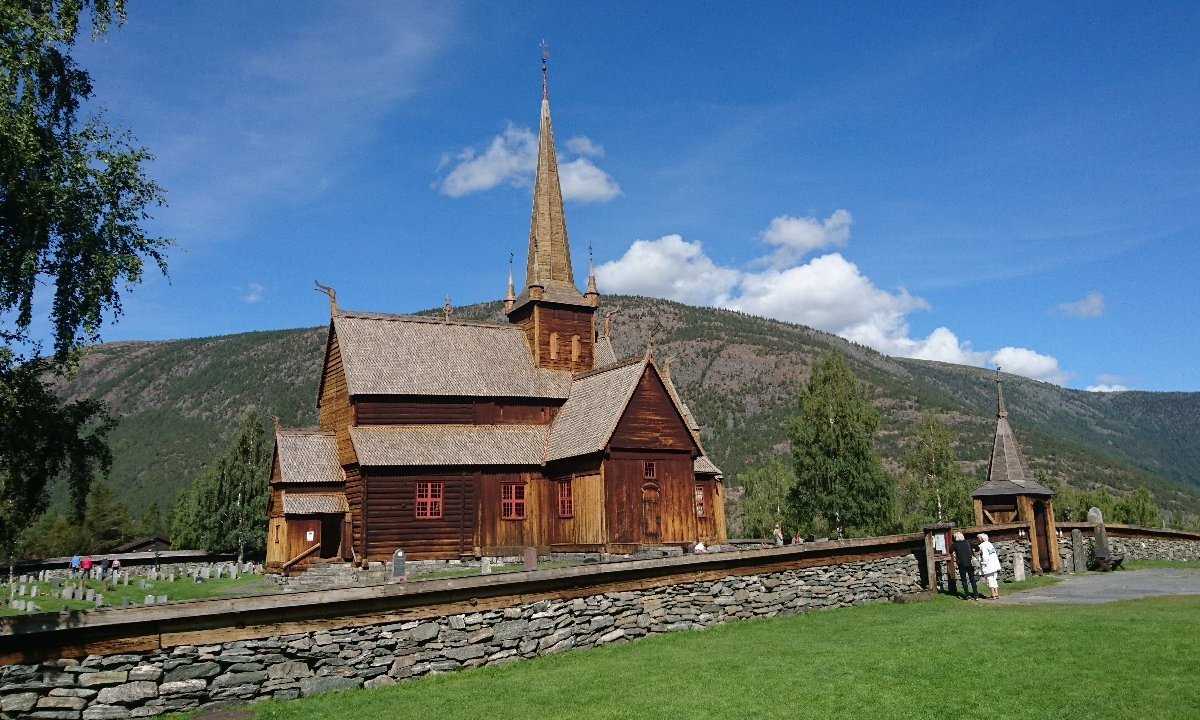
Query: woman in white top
{"type": "Point", "coordinates": [989, 564]}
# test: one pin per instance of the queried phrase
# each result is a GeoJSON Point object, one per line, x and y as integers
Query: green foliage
{"type": "Point", "coordinates": [42, 437]}
{"type": "Point", "coordinates": [933, 487]}
{"type": "Point", "coordinates": [765, 498]}
{"type": "Point", "coordinates": [73, 197]}
{"type": "Point", "coordinates": [841, 483]}
{"type": "Point", "coordinates": [226, 507]}
{"type": "Point", "coordinates": [106, 524]}
{"type": "Point", "coordinates": [1135, 508]}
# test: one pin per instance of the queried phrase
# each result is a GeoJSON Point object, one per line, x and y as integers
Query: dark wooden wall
{"type": "Point", "coordinates": [539, 320]}
{"type": "Point", "coordinates": [355, 500]}
{"type": "Point", "coordinates": [335, 412]}
{"type": "Point", "coordinates": [625, 488]}
{"type": "Point", "coordinates": [651, 421]}
{"type": "Point", "coordinates": [410, 410]}
{"type": "Point", "coordinates": [390, 500]}
{"type": "Point", "coordinates": [495, 532]}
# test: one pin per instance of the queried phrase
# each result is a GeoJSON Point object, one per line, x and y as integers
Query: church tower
{"type": "Point", "coordinates": [558, 320]}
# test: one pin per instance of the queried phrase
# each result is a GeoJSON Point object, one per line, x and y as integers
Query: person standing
{"type": "Point", "coordinates": [989, 564]}
{"type": "Point", "coordinates": [963, 556]}
{"type": "Point", "coordinates": [76, 563]}
{"type": "Point", "coordinates": [778, 535]}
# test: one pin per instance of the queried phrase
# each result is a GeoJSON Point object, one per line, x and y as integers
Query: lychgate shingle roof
{"type": "Point", "coordinates": [404, 355]}
{"type": "Point", "coordinates": [307, 456]}
{"type": "Point", "coordinates": [449, 445]}
{"type": "Point", "coordinates": [1008, 473]}
{"type": "Point", "coordinates": [591, 413]}
{"type": "Point", "coordinates": [313, 503]}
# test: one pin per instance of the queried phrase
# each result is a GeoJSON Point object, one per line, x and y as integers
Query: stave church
{"type": "Point", "coordinates": [451, 439]}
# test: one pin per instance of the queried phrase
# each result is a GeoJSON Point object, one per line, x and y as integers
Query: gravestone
{"type": "Point", "coordinates": [99, 601]}
{"type": "Point", "coordinates": [485, 566]}
{"type": "Point", "coordinates": [19, 605]}
{"type": "Point", "coordinates": [171, 578]}
{"type": "Point", "coordinates": [151, 574]}
{"type": "Point", "coordinates": [21, 591]}
{"type": "Point", "coordinates": [125, 578]}
{"type": "Point", "coordinates": [1103, 553]}
{"type": "Point", "coordinates": [206, 572]}
{"type": "Point", "coordinates": [398, 569]}
{"type": "Point", "coordinates": [530, 558]}
{"type": "Point", "coordinates": [162, 599]}
{"type": "Point", "coordinates": [149, 600]}
{"type": "Point", "coordinates": [1078, 551]}
{"type": "Point", "coordinates": [141, 583]}
{"type": "Point", "coordinates": [126, 603]}
{"type": "Point", "coordinates": [33, 591]}
{"type": "Point", "coordinates": [233, 572]}
{"type": "Point", "coordinates": [90, 595]}
{"type": "Point", "coordinates": [1018, 566]}
{"type": "Point", "coordinates": [56, 583]}
{"type": "Point", "coordinates": [24, 578]}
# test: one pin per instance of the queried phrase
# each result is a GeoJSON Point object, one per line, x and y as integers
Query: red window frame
{"type": "Point", "coordinates": [429, 500]}
{"type": "Point", "coordinates": [566, 499]}
{"type": "Point", "coordinates": [649, 470]}
{"type": "Point", "coordinates": [701, 511]}
{"type": "Point", "coordinates": [512, 501]}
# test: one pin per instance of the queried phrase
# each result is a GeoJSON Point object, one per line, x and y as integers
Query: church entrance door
{"type": "Point", "coordinates": [651, 519]}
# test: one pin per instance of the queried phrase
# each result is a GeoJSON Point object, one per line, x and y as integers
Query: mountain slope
{"type": "Point", "coordinates": [177, 400]}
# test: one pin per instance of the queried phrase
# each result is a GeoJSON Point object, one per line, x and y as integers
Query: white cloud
{"type": "Point", "coordinates": [828, 292]}
{"type": "Point", "coordinates": [1030, 364]}
{"type": "Point", "coordinates": [584, 182]}
{"type": "Point", "coordinates": [1106, 388]}
{"type": "Point", "coordinates": [1091, 306]}
{"type": "Point", "coordinates": [253, 293]}
{"type": "Point", "coordinates": [796, 237]}
{"type": "Point", "coordinates": [669, 267]}
{"type": "Point", "coordinates": [1109, 379]}
{"type": "Point", "coordinates": [509, 159]}
{"type": "Point", "coordinates": [581, 145]}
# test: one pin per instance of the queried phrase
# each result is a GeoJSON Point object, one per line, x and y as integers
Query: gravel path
{"type": "Point", "coordinates": [1094, 588]}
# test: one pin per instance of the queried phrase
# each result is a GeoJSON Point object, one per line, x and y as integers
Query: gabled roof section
{"type": "Point", "coordinates": [308, 456]}
{"type": "Point", "coordinates": [605, 355]}
{"type": "Point", "coordinates": [407, 355]}
{"type": "Point", "coordinates": [704, 466]}
{"type": "Point", "coordinates": [1008, 473]}
{"type": "Point", "coordinates": [594, 408]}
{"type": "Point", "coordinates": [411, 445]}
{"type": "Point", "coordinates": [314, 503]}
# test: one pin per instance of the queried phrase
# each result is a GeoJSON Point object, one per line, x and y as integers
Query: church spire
{"type": "Point", "coordinates": [549, 251]}
{"type": "Point", "coordinates": [1001, 412]}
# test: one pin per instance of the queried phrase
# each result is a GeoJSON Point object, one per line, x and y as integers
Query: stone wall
{"type": "Point", "coordinates": [187, 677]}
{"type": "Point", "coordinates": [1137, 548]}
{"type": "Point", "coordinates": [1007, 550]}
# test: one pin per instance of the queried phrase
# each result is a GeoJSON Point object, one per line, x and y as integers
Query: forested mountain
{"type": "Point", "coordinates": [178, 400]}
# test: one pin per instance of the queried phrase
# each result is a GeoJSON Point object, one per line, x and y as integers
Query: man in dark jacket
{"type": "Point", "coordinates": [962, 558]}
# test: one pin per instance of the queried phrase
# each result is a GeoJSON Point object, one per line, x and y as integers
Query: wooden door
{"type": "Point", "coordinates": [651, 517]}
{"type": "Point", "coordinates": [331, 536]}
{"type": "Point", "coordinates": [1041, 531]}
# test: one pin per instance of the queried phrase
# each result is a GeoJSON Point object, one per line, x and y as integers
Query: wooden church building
{"type": "Point", "coordinates": [452, 439]}
{"type": "Point", "coordinates": [1012, 494]}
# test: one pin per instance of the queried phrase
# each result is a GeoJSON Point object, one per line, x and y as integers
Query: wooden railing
{"type": "Point", "coordinates": [290, 563]}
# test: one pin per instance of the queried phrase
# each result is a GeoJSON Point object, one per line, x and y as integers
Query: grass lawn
{"type": "Point", "coordinates": [473, 571]}
{"type": "Point", "coordinates": [1149, 564]}
{"type": "Point", "coordinates": [183, 588]}
{"type": "Point", "coordinates": [940, 659]}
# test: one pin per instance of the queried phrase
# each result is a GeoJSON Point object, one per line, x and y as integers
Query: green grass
{"type": "Point", "coordinates": [1149, 564]}
{"type": "Point", "coordinates": [182, 589]}
{"type": "Point", "coordinates": [939, 659]}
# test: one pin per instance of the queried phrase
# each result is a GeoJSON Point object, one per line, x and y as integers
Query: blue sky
{"type": "Point", "coordinates": [987, 183]}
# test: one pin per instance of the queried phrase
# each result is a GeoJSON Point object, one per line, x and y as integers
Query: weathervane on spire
{"type": "Point", "coordinates": [447, 308]}
{"type": "Point", "coordinates": [545, 57]}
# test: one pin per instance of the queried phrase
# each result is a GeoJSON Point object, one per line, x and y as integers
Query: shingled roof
{"type": "Point", "coordinates": [592, 411]}
{"type": "Point", "coordinates": [314, 503]}
{"type": "Point", "coordinates": [407, 355]}
{"type": "Point", "coordinates": [704, 466]}
{"type": "Point", "coordinates": [308, 456]}
{"type": "Point", "coordinates": [401, 445]}
{"type": "Point", "coordinates": [1008, 473]}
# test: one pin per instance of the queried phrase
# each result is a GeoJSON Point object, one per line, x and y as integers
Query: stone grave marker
{"type": "Point", "coordinates": [141, 583]}
{"type": "Point", "coordinates": [19, 605]}
{"type": "Point", "coordinates": [149, 600]}
{"type": "Point", "coordinates": [126, 603]}
{"type": "Point", "coordinates": [56, 583]}
{"type": "Point", "coordinates": [485, 566]}
{"type": "Point", "coordinates": [530, 558]}
{"type": "Point", "coordinates": [33, 591]}
{"type": "Point", "coordinates": [399, 571]}
{"type": "Point", "coordinates": [90, 595]}
{"type": "Point", "coordinates": [1018, 566]}
{"type": "Point", "coordinates": [206, 572]}
{"type": "Point", "coordinates": [162, 599]}
{"type": "Point", "coordinates": [21, 591]}
{"type": "Point", "coordinates": [1103, 552]}
{"type": "Point", "coordinates": [125, 578]}
{"type": "Point", "coordinates": [99, 601]}
{"type": "Point", "coordinates": [151, 574]}
{"type": "Point", "coordinates": [233, 572]}
{"type": "Point", "coordinates": [171, 578]}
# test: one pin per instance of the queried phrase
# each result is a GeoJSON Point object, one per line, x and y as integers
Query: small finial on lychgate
{"type": "Point", "coordinates": [447, 308]}
{"type": "Point", "coordinates": [545, 72]}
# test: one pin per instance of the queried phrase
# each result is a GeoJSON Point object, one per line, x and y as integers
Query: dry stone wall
{"type": "Point", "coordinates": [187, 677]}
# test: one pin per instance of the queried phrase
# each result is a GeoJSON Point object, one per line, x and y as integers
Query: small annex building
{"type": "Point", "coordinates": [1012, 494]}
{"type": "Point", "coordinates": [451, 439]}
